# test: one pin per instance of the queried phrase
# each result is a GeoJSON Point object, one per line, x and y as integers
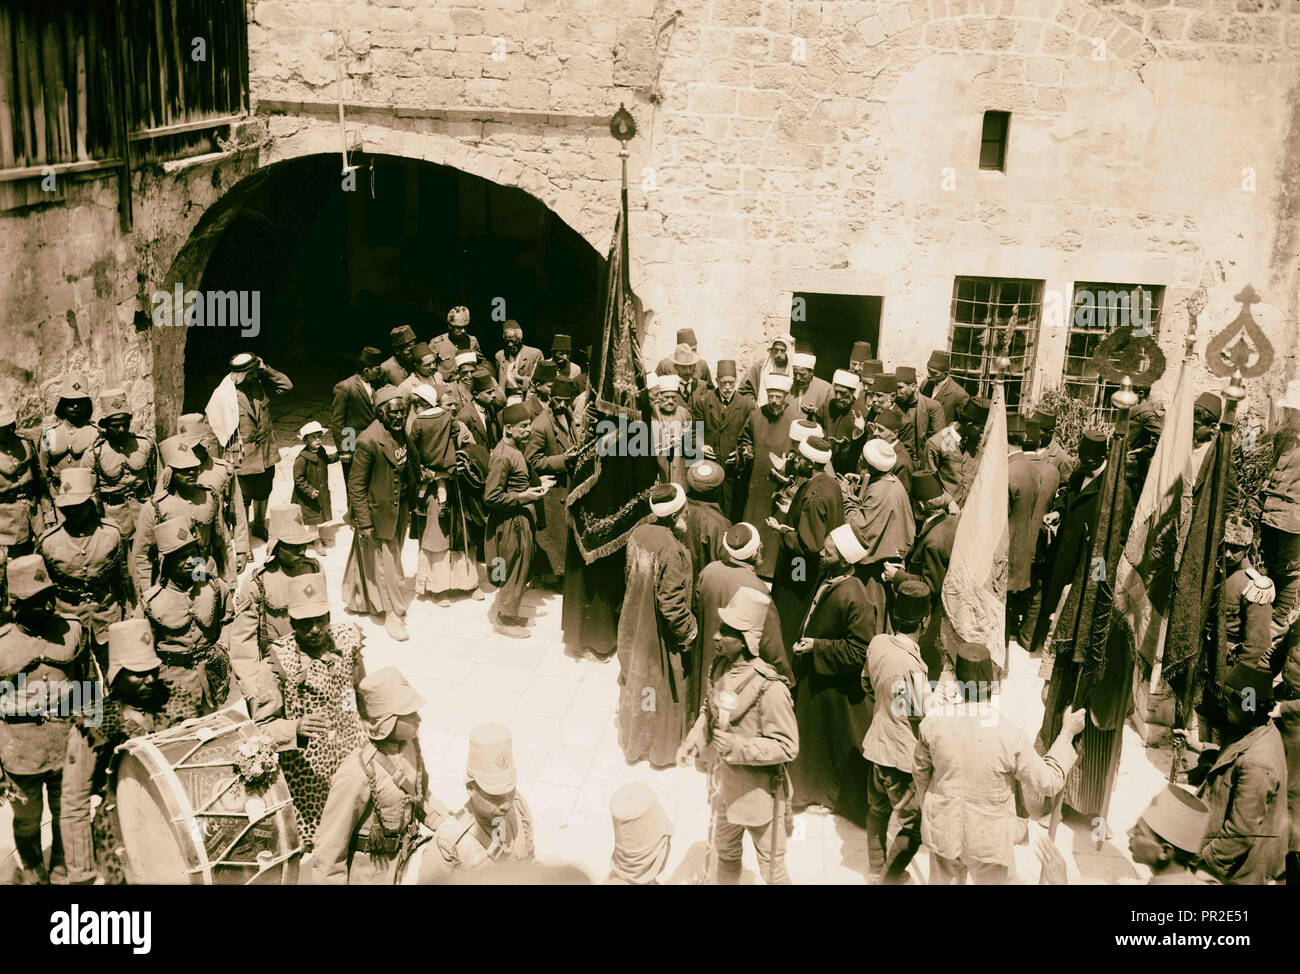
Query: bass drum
{"type": "Point", "coordinates": [183, 816]}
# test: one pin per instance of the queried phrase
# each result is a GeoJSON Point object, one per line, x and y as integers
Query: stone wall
{"type": "Point", "coordinates": [783, 146]}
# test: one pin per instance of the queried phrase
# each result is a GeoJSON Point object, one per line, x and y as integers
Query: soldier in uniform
{"type": "Point", "coordinates": [1247, 599]}
{"type": "Point", "coordinates": [454, 339]}
{"type": "Point", "coordinates": [41, 655]}
{"type": "Point", "coordinates": [135, 699]}
{"type": "Point", "coordinates": [20, 486]}
{"type": "Point", "coordinates": [262, 605]}
{"type": "Point", "coordinates": [379, 810]}
{"type": "Point", "coordinates": [305, 698]}
{"type": "Point", "coordinates": [125, 466]}
{"type": "Point", "coordinates": [494, 825]}
{"type": "Point", "coordinates": [217, 474]}
{"type": "Point", "coordinates": [748, 718]}
{"type": "Point", "coordinates": [84, 557]}
{"type": "Point", "coordinates": [187, 609]}
{"type": "Point", "coordinates": [180, 494]}
{"type": "Point", "coordinates": [642, 836]}
{"type": "Point", "coordinates": [67, 443]}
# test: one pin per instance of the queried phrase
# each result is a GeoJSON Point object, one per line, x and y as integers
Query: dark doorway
{"type": "Point", "coordinates": [335, 270]}
{"type": "Point", "coordinates": [831, 323]}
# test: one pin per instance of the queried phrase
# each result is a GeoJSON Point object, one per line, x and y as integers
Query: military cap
{"type": "Point", "coordinates": [1239, 531]}
{"type": "Point", "coordinates": [458, 317]}
{"type": "Point", "coordinates": [113, 402]}
{"type": "Point", "coordinates": [192, 429]}
{"type": "Point", "coordinates": [28, 577]}
{"type": "Point", "coordinates": [177, 453]}
{"type": "Point", "coordinates": [174, 534]}
{"type": "Point", "coordinates": [308, 598]}
{"type": "Point", "coordinates": [491, 762]}
{"type": "Point", "coordinates": [130, 647]}
{"type": "Point", "coordinates": [746, 612]}
{"type": "Point", "coordinates": [640, 822]}
{"type": "Point", "coordinates": [75, 386]}
{"type": "Point", "coordinates": [383, 697]}
{"type": "Point", "coordinates": [76, 486]}
{"type": "Point", "coordinates": [286, 525]}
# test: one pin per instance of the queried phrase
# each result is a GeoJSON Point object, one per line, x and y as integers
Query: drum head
{"type": "Point", "coordinates": [152, 854]}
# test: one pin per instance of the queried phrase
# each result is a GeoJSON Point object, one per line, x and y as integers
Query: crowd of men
{"type": "Point", "coordinates": [779, 626]}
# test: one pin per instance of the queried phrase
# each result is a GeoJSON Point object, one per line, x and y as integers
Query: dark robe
{"type": "Point", "coordinates": [509, 544]}
{"type": "Point", "coordinates": [656, 630]}
{"type": "Point", "coordinates": [719, 581]}
{"type": "Point", "coordinates": [549, 439]}
{"type": "Point", "coordinates": [593, 596]}
{"type": "Point", "coordinates": [845, 439]}
{"type": "Point", "coordinates": [817, 510]}
{"type": "Point", "coordinates": [761, 437]}
{"type": "Point", "coordinates": [722, 426]}
{"type": "Point", "coordinates": [928, 560]}
{"type": "Point", "coordinates": [705, 527]}
{"type": "Point", "coordinates": [830, 704]}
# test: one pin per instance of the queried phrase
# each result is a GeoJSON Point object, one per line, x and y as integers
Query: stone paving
{"type": "Point", "coordinates": [561, 711]}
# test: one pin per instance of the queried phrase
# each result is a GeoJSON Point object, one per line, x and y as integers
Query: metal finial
{"type": "Point", "coordinates": [622, 126]}
{"type": "Point", "coordinates": [1236, 390]}
{"type": "Point", "coordinates": [1125, 398]}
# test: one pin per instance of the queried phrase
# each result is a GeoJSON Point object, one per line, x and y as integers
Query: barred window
{"type": "Point", "coordinates": [992, 317]}
{"type": "Point", "coordinates": [1096, 310]}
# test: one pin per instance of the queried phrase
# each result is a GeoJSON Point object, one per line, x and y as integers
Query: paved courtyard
{"type": "Point", "coordinates": [562, 714]}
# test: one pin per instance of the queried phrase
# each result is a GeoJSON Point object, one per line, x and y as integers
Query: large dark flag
{"type": "Point", "coordinates": [612, 470]}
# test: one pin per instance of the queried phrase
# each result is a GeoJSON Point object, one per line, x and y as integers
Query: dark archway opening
{"type": "Point", "coordinates": [334, 270]}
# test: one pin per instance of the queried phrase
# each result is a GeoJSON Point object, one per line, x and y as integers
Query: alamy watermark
{"type": "Point", "coordinates": [52, 700]}
{"type": "Point", "coordinates": [208, 309]}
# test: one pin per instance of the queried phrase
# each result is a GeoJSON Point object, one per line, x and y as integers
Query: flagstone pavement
{"type": "Point", "coordinates": [561, 712]}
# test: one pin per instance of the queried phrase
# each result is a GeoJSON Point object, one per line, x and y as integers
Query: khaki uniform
{"type": "Point", "coordinates": [461, 845]}
{"type": "Point", "coordinates": [63, 445]}
{"type": "Point", "coordinates": [218, 476]}
{"type": "Point", "coordinates": [18, 495]}
{"type": "Point", "coordinates": [261, 615]}
{"type": "Point", "coordinates": [209, 531]}
{"type": "Point", "coordinates": [742, 784]}
{"type": "Point", "coordinates": [378, 811]}
{"type": "Point", "coordinates": [89, 577]}
{"type": "Point", "coordinates": [186, 627]}
{"type": "Point", "coordinates": [33, 746]}
{"type": "Point", "coordinates": [125, 480]}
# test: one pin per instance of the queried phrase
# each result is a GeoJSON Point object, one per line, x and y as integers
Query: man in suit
{"type": "Point", "coordinates": [562, 356]}
{"type": "Point", "coordinates": [516, 362]}
{"type": "Point", "coordinates": [1045, 420]}
{"type": "Point", "coordinates": [699, 372]}
{"type": "Point", "coordinates": [685, 364]}
{"type": "Point", "coordinates": [1023, 487]}
{"type": "Point", "coordinates": [922, 416]}
{"type": "Point", "coordinates": [353, 406]}
{"type": "Point", "coordinates": [255, 384]}
{"type": "Point", "coordinates": [722, 413]}
{"type": "Point", "coordinates": [942, 387]}
{"type": "Point", "coordinates": [478, 418]}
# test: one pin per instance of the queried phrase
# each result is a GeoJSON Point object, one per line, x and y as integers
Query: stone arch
{"type": "Point", "coordinates": [290, 139]}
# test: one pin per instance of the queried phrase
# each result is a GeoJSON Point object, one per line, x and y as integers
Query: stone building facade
{"type": "Point", "coordinates": [784, 147]}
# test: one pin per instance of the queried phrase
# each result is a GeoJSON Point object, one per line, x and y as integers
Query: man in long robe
{"type": "Point", "coordinates": [714, 588]}
{"type": "Point", "coordinates": [881, 518]}
{"type": "Point", "coordinates": [817, 509]}
{"type": "Point", "coordinates": [510, 496]}
{"type": "Point", "coordinates": [549, 438]}
{"type": "Point", "coordinates": [830, 705]}
{"type": "Point", "coordinates": [721, 414]}
{"type": "Point", "coordinates": [671, 432]}
{"type": "Point", "coordinates": [656, 631]}
{"type": "Point", "coordinates": [705, 524]}
{"type": "Point", "coordinates": [766, 434]}
{"type": "Point", "coordinates": [380, 486]}
{"type": "Point", "coordinates": [843, 421]}
{"type": "Point", "coordinates": [809, 392]}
